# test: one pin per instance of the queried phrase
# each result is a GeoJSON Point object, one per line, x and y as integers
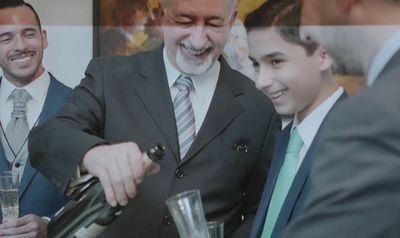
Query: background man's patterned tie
{"type": "Point", "coordinates": [17, 129]}
{"type": "Point", "coordinates": [185, 121]}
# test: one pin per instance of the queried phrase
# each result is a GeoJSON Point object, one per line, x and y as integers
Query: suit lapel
{"type": "Point", "coordinates": [273, 173]}
{"type": "Point", "coordinates": [393, 64]}
{"type": "Point", "coordinates": [301, 176]}
{"type": "Point", "coordinates": [278, 162]}
{"type": "Point", "coordinates": [3, 160]}
{"type": "Point", "coordinates": [223, 109]}
{"type": "Point", "coordinates": [3, 163]}
{"type": "Point", "coordinates": [55, 99]}
{"type": "Point", "coordinates": [27, 177]}
{"type": "Point", "coordinates": [154, 93]}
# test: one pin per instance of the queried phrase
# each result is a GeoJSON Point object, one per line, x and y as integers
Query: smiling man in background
{"type": "Point", "coordinates": [29, 95]}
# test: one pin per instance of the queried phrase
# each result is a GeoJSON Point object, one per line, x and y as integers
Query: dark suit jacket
{"type": "Point", "coordinates": [127, 99]}
{"type": "Point", "coordinates": [294, 203]}
{"type": "Point", "coordinates": [36, 194]}
{"type": "Point", "coordinates": [355, 181]}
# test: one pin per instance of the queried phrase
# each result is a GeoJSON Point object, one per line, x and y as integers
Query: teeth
{"type": "Point", "coordinates": [22, 59]}
{"type": "Point", "coordinates": [196, 52]}
{"type": "Point", "coordinates": [278, 93]}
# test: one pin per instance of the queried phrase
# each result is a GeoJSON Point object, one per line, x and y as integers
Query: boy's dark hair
{"type": "Point", "coordinates": [18, 3]}
{"type": "Point", "coordinates": [285, 16]}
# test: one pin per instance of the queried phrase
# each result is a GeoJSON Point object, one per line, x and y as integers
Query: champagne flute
{"type": "Point", "coordinates": [9, 182]}
{"type": "Point", "coordinates": [187, 211]}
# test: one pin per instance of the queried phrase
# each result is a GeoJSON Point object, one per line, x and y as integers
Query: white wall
{"type": "Point", "coordinates": [69, 28]}
{"type": "Point", "coordinates": [69, 52]}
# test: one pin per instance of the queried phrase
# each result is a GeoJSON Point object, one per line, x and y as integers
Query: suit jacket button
{"type": "Point", "coordinates": [167, 220]}
{"type": "Point", "coordinates": [179, 173]}
{"type": "Point", "coordinates": [56, 182]}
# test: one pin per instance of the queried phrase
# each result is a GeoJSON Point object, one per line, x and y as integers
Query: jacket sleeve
{"type": "Point", "coordinates": [57, 146]}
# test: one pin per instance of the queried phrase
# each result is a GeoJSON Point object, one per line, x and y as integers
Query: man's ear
{"type": "Point", "coordinates": [324, 58]}
{"type": "Point", "coordinates": [44, 38]}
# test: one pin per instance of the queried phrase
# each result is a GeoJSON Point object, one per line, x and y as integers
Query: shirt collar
{"type": "Point", "coordinates": [383, 56]}
{"type": "Point", "coordinates": [201, 82]}
{"type": "Point", "coordinates": [309, 126]}
{"type": "Point", "coordinates": [37, 88]}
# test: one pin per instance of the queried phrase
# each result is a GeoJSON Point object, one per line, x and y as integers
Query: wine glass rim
{"type": "Point", "coordinates": [184, 194]}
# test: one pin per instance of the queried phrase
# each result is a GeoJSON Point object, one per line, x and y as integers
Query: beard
{"type": "Point", "coordinates": [190, 61]}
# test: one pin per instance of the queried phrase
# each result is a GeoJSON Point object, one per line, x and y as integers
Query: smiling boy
{"type": "Point", "coordinates": [297, 77]}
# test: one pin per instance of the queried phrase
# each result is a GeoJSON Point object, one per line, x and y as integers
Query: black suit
{"type": "Point", "coordinates": [355, 181]}
{"type": "Point", "coordinates": [128, 99]}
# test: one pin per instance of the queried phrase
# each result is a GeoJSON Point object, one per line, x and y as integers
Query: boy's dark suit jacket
{"type": "Point", "coordinates": [294, 203]}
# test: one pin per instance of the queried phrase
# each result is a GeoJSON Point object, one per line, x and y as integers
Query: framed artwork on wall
{"type": "Point", "coordinates": [124, 27]}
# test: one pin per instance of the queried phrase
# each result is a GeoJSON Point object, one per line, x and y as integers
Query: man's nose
{"type": "Point", "coordinates": [264, 78]}
{"type": "Point", "coordinates": [19, 43]}
{"type": "Point", "coordinates": [199, 37]}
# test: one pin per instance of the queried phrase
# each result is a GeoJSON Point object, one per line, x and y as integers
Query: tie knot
{"type": "Point", "coordinates": [19, 97]}
{"type": "Point", "coordinates": [184, 83]}
{"type": "Point", "coordinates": [295, 142]}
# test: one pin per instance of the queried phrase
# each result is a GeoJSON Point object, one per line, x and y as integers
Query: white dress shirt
{"type": "Point", "coordinates": [308, 128]}
{"type": "Point", "coordinates": [38, 91]}
{"type": "Point", "coordinates": [204, 88]}
{"type": "Point", "coordinates": [385, 53]}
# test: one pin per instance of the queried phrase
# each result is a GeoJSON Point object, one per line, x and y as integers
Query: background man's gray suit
{"type": "Point", "coordinates": [357, 172]}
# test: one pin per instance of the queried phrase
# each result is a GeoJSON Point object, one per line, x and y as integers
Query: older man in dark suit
{"type": "Point", "coordinates": [355, 183]}
{"type": "Point", "coordinates": [219, 131]}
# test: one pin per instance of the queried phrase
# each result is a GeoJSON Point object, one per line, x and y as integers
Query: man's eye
{"type": "Point", "coordinates": [276, 62]}
{"type": "Point", "coordinates": [256, 66]}
{"type": "Point", "coordinates": [5, 39]}
{"type": "Point", "coordinates": [30, 34]}
{"type": "Point", "coordinates": [183, 21]}
{"type": "Point", "coordinates": [215, 24]}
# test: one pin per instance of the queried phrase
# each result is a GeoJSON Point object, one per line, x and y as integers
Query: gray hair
{"type": "Point", "coordinates": [232, 4]}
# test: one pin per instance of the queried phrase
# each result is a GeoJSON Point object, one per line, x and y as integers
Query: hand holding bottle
{"type": "Point", "coordinates": [119, 168]}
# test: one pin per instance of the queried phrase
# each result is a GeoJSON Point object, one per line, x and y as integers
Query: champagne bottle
{"type": "Point", "coordinates": [88, 214]}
